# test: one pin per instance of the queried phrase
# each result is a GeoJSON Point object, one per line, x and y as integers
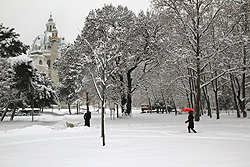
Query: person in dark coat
{"type": "Point", "coordinates": [87, 117]}
{"type": "Point", "coordinates": [190, 122]}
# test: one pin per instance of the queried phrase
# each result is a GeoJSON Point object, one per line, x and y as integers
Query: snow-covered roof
{"type": "Point", "coordinates": [38, 52]}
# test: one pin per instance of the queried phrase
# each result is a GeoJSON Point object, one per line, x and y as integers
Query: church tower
{"type": "Point", "coordinates": [46, 48]}
{"type": "Point", "coordinates": [50, 25]}
{"type": "Point", "coordinates": [54, 41]}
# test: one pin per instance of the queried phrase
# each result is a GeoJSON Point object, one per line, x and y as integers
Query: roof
{"type": "Point", "coordinates": [36, 52]}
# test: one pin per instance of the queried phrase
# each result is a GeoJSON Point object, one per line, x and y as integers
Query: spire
{"type": "Point", "coordinates": [50, 19]}
{"type": "Point", "coordinates": [50, 25]}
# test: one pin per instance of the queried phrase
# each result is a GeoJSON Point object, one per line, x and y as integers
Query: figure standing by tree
{"type": "Point", "coordinates": [190, 122]}
{"type": "Point", "coordinates": [87, 117]}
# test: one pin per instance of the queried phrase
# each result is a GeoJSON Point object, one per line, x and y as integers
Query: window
{"type": "Point", "coordinates": [40, 62]}
{"type": "Point", "coordinates": [50, 28]}
{"type": "Point", "coordinates": [48, 62]}
{"type": "Point", "coordinates": [49, 47]}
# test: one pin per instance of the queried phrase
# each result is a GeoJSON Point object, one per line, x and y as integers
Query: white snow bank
{"type": "Point", "coordinates": [148, 140]}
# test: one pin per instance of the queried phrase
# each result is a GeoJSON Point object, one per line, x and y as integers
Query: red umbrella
{"type": "Point", "coordinates": [187, 109]}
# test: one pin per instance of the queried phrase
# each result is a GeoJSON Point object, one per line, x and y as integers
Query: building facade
{"type": "Point", "coordinates": [46, 48]}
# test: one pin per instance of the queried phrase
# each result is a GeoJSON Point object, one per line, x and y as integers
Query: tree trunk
{"type": "Point", "coordinates": [209, 113]}
{"type": "Point", "coordinates": [87, 101]}
{"type": "Point", "coordinates": [244, 84]}
{"type": "Point", "coordinates": [198, 59]}
{"type": "Point", "coordinates": [123, 102]}
{"type": "Point", "coordinates": [129, 93]}
{"type": "Point", "coordinates": [102, 123]}
{"type": "Point", "coordinates": [103, 111]}
{"type": "Point", "coordinates": [5, 112]}
{"type": "Point", "coordinates": [123, 96]}
{"type": "Point", "coordinates": [13, 113]}
{"type": "Point", "coordinates": [32, 113]}
{"type": "Point", "coordinates": [215, 89]}
{"type": "Point", "coordinates": [129, 102]}
{"type": "Point", "coordinates": [191, 87]}
{"type": "Point", "coordinates": [217, 104]}
{"type": "Point", "coordinates": [69, 109]}
{"type": "Point", "coordinates": [235, 96]}
{"type": "Point", "coordinates": [6, 109]}
{"type": "Point", "coordinates": [77, 107]}
{"type": "Point", "coordinates": [198, 95]}
{"type": "Point", "coordinates": [246, 32]}
{"type": "Point", "coordinates": [238, 94]}
{"type": "Point", "coordinates": [149, 102]}
{"type": "Point", "coordinates": [117, 109]}
{"type": "Point", "coordinates": [164, 101]}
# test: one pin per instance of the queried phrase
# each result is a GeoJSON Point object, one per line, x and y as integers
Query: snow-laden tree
{"type": "Point", "coordinates": [70, 90]}
{"type": "Point", "coordinates": [35, 89]}
{"type": "Point", "coordinates": [194, 22]}
{"type": "Point", "coordinates": [69, 67]}
{"type": "Point", "coordinates": [238, 37]}
{"type": "Point", "coordinates": [102, 39]}
{"type": "Point", "coordinates": [10, 46]}
{"type": "Point", "coordinates": [7, 93]}
{"type": "Point", "coordinates": [230, 30]}
{"type": "Point", "coordinates": [100, 44]}
{"type": "Point", "coordinates": [45, 95]}
{"type": "Point", "coordinates": [145, 53]}
{"type": "Point", "coordinates": [25, 87]}
{"type": "Point", "coordinates": [23, 68]}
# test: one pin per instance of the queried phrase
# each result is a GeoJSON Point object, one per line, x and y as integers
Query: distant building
{"type": "Point", "coordinates": [46, 48]}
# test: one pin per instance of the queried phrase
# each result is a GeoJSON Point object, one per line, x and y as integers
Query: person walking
{"type": "Point", "coordinates": [87, 117]}
{"type": "Point", "coordinates": [190, 122]}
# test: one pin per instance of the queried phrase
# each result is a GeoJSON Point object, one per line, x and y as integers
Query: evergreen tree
{"type": "Point", "coordinates": [23, 86]}
{"type": "Point", "coordinates": [45, 95]}
{"type": "Point", "coordinates": [70, 90]}
{"type": "Point", "coordinates": [7, 93]}
{"type": "Point", "coordinates": [10, 46]}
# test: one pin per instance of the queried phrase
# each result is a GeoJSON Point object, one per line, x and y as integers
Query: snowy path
{"type": "Point", "coordinates": [144, 140]}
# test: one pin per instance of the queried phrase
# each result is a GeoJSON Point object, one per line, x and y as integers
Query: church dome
{"type": "Point", "coordinates": [42, 42]}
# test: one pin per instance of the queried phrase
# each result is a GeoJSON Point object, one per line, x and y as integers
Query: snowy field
{"type": "Point", "coordinates": [143, 140]}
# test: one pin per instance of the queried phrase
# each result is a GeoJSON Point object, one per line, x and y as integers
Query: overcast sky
{"type": "Point", "coordinates": [29, 17]}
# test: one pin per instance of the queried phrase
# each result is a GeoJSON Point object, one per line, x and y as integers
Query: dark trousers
{"type": "Point", "coordinates": [191, 129]}
{"type": "Point", "coordinates": [87, 122]}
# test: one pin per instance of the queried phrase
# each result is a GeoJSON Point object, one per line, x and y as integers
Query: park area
{"type": "Point", "coordinates": [147, 140]}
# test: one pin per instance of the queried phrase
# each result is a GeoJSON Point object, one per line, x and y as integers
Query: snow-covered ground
{"type": "Point", "coordinates": [143, 140]}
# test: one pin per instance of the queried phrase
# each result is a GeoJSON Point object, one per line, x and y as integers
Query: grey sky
{"type": "Point", "coordinates": [29, 17]}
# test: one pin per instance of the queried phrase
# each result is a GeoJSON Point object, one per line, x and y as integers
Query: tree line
{"type": "Point", "coordinates": [195, 49]}
{"type": "Point", "coordinates": [191, 50]}
{"type": "Point", "coordinates": [214, 50]}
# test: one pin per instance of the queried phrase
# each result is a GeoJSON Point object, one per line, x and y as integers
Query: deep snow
{"type": "Point", "coordinates": [143, 140]}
